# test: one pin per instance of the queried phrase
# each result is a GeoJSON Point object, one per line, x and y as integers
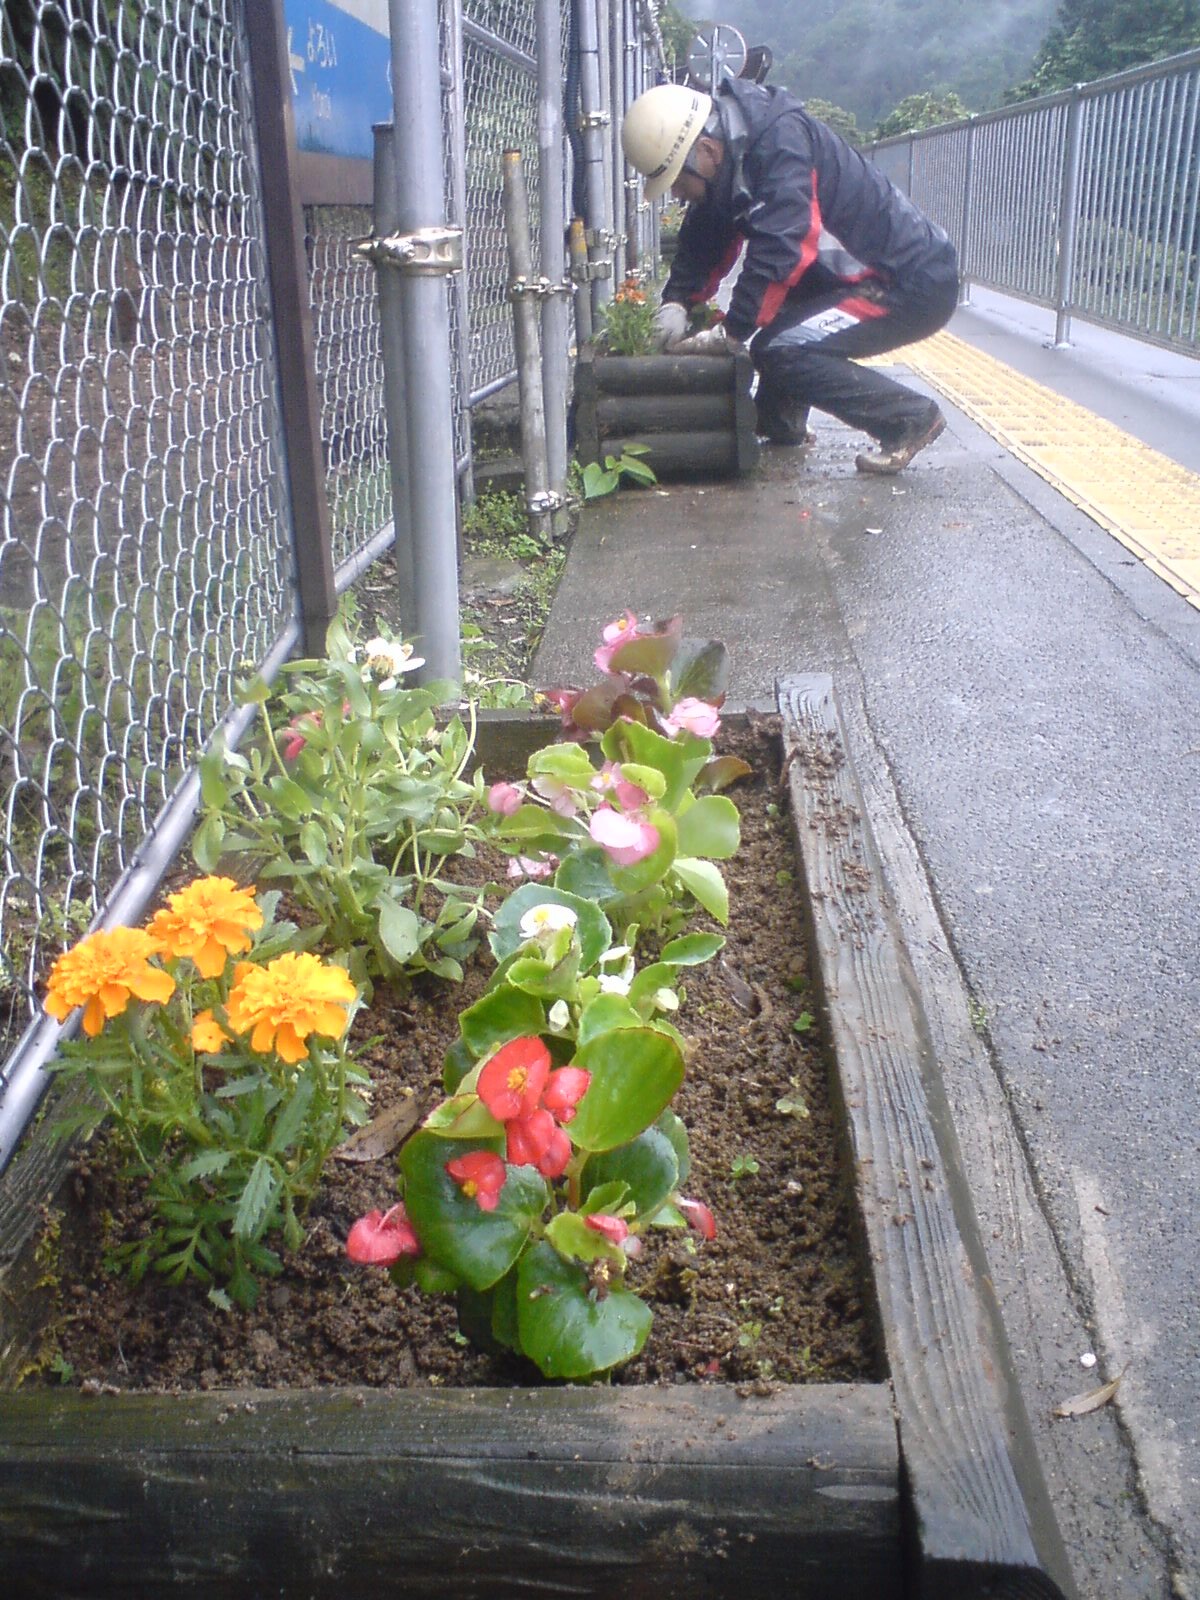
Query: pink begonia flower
{"type": "Point", "coordinates": [614, 1229]}
{"type": "Point", "coordinates": [480, 1174]}
{"type": "Point", "coordinates": [292, 740]}
{"type": "Point", "coordinates": [503, 799]}
{"type": "Point", "coordinates": [609, 780]}
{"type": "Point", "coordinates": [381, 1237]}
{"type": "Point", "coordinates": [697, 716]}
{"type": "Point", "coordinates": [565, 700]}
{"type": "Point", "coordinates": [557, 793]}
{"type": "Point", "coordinates": [698, 1216]}
{"type": "Point", "coordinates": [625, 839]}
{"type": "Point", "coordinates": [615, 635]}
{"type": "Point", "coordinates": [529, 867]}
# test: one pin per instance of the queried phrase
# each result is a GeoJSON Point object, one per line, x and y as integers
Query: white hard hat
{"type": "Point", "coordinates": [660, 127]}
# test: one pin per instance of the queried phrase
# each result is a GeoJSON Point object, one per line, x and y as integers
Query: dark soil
{"type": "Point", "coordinates": [779, 1295]}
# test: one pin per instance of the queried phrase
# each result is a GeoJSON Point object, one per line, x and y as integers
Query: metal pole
{"type": "Point", "coordinates": [593, 121]}
{"type": "Point", "coordinates": [521, 291]}
{"type": "Point", "coordinates": [395, 400]}
{"type": "Point", "coordinates": [616, 106]}
{"type": "Point", "coordinates": [577, 242]}
{"type": "Point", "coordinates": [965, 258]}
{"type": "Point", "coordinates": [552, 247]}
{"type": "Point", "coordinates": [291, 323]}
{"type": "Point", "coordinates": [1068, 220]}
{"type": "Point", "coordinates": [429, 252]}
{"type": "Point", "coordinates": [458, 216]}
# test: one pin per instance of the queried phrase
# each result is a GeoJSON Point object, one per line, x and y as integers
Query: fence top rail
{"type": "Point", "coordinates": [1168, 67]}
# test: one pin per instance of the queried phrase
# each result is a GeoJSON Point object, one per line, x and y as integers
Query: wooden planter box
{"type": "Point", "coordinates": [921, 1486]}
{"type": "Point", "coordinates": [694, 412]}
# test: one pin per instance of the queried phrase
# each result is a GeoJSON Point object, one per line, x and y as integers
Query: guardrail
{"type": "Point", "coordinates": [1086, 201]}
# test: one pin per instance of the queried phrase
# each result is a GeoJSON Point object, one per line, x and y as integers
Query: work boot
{"type": "Point", "coordinates": [894, 455]}
{"type": "Point", "coordinates": [785, 425]}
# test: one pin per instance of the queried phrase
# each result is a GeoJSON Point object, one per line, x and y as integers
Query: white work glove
{"type": "Point", "coordinates": [670, 324]}
{"type": "Point", "coordinates": [711, 342]}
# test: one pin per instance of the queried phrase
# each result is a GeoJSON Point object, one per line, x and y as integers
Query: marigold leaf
{"type": "Point", "coordinates": [257, 1199]}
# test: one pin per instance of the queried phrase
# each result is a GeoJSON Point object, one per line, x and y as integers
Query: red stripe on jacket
{"type": "Point", "coordinates": [777, 292]}
{"type": "Point", "coordinates": [864, 310]}
{"type": "Point", "coordinates": [722, 269]}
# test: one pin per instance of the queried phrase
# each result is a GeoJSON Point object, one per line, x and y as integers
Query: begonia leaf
{"type": "Point", "coordinates": [535, 828]}
{"type": "Point", "coordinates": [550, 980]}
{"type": "Point", "coordinates": [569, 761]}
{"type": "Point", "coordinates": [592, 927]}
{"type": "Point", "coordinates": [477, 1246]}
{"type": "Point", "coordinates": [587, 874]}
{"type": "Point", "coordinates": [498, 1016]}
{"type": "Point", "coordinates": [647, 983]}
{"type": "Point", "coordinates": [703, 880]}
{"type": "Point", "coordinates": [649, 653]}
{"type": "Point", "coordinates": [575, 1241]}
{"type": "Point", "coordinates": [710, 827]}
{"type": "Point", "coordinates": [700, 670]}
{"type": "Point", "coordinates": [632, 741]}
{"type": "Point", "coordinates": [456, 1063]}
{"type": "Point", "coordinates": [647, 1166]}
{"type": "Point", "coordinates": [692, 949]}
{"type": "Point", "coordinates": [634, 1074]}
{"type": "Point", "coordinates": [567, 1330]}
{"type": "Point", "coordinates": [463, 1116]}
{"type": "Point", "coordinates": [432, 1277]}
{"type": "Point", "coordinates": [721, 772]}
{"type": "Point", "coordinates": [605, 1012]}
{"type": "Point", "coordinates": [671, 1124]}
{"type": "Point", "coordinates": [605, 1197]}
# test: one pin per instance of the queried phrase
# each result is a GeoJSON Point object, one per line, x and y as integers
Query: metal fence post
{"type": "Point", "coordinates": [522, 288]}
{"type": "Point", "coordinates": [593, 121]}
{"type": "Point", "coordinates": [395, 398]}
{"type": "Point", "coordinates": [457, 134]}
{"type": "Point", "coordinates": [552, 225]}
{"type": "Point", "coordinates": [1068, 220]}
{"type": "Point", "coordinates": [964, 254]}
{"type": "Point", "coordinates": [291, 320]}
{"type": "Point", "coordinates": [425, 252]}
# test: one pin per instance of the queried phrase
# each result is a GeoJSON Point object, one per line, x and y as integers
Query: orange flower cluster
{"type": "Point", "coordinates": [102, 973]}
{"type": "Point", "coordinates": [208, 921]}
{"type": "Point", "coordinates": [288, 999]}
{"type": "Point", "coordinates": [631, 293]}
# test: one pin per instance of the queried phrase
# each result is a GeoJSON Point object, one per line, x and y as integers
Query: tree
{"type": "Point", "coordinates": [1092, 38]}
{"type": "Point", "coordinates": [677, 32]}
{"type": "Point", "coordinates": [925, 110]}
{"type": "Point", "coordinates": [835, 117]}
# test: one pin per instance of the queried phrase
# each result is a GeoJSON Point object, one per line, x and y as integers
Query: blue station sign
{"type": "Point", "coordinates": [340, 60]}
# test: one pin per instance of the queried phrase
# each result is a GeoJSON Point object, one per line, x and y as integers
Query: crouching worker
{"type": "Point", "coordinates": [838, 262]}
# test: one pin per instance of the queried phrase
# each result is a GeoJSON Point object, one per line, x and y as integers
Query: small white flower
{"type": "Point", "coordinates": [611, 984]}
{"type": "Point", "coordinates": [616, 952]}
{"type": "Point", "coordinates": [560, 1016]}
{"type": "Point", "coordinates": [666, 1000]}
{"type": "Point", "coordinates": [547, 918]}
{"type": "Point", "coordinates": [387, 659]}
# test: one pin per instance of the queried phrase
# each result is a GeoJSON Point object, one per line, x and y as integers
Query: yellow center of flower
{"type": "Point", "coordinates": [516, 1080]}
{"type": "Point", "coordinates": [470, 1188]}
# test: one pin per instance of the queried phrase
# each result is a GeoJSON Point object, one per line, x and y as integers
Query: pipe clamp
{"type": "Point", "coordinates": [426, 252]}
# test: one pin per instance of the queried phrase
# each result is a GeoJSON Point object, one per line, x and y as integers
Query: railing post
{"type": "Point", "coordinates": [425, 251]}
{"type": "Point", "coordinates": [1068, 219]}
{"type": "Point", "coordinates": [912, 145]}
{"type": "Point", "coordinates": [291, 322]}
{"type": "Point", "coordinates": [964, 249]}
{"type": "Point", "coordinates": [552, 223]}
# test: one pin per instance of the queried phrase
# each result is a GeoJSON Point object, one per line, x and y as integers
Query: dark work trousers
{"type": "Point", "coordinates": [804, 358]}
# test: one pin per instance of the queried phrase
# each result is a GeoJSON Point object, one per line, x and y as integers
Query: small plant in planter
{"type": "Point", "coordinates": [226, 1086]}
{"type": "Point", "coordinates": [627, 321]}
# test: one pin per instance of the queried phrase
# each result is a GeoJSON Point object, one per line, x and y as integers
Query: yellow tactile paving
{"type": "Point", "coordinates": [1148, 502]}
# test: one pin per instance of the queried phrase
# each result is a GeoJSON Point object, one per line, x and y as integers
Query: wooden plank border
{"type": "Point", "coordinates": [980, 1516]}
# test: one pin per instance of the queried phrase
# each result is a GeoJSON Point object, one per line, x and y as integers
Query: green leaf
{"type": "Point", "coordinates": [456, 1063]}
{"type": "Point", "coordinates": [463, 1116]}
{"type": "Point", "coordinates": [635, 1072]}
{"type": "Point", "coordinates": [654, 867]}
{"type": "Point", "coordinates": [592, 928]}
{"type": "Point", "coordinates": [477, 1246]}
{"type": "Point", "coordinates": [289, 799]}
{"type": "Point", "coordinates": [568, 761]}
{"type": "Point", "coordinates": [692, 949]}
{"type": "Point", "coordinates": [608, 1197]}
{"type": "Point", "coordinates": [574, 1240]}
{"type": "Point", "coordinates": [566, 1330]}
{"type": "Point", "coordinates": [598, 482]}
{"type": "Point", "coordinates": [704, 881]}
{"type": "Point", "coordinates": [207, 842]}
{"type": "Point", "coordinates": [205, 1165]}
{"type": "Point", "coordinates": [587, 875]}
{"type": "Point", "coordinates": [721, 772]}
{"type": "Point", "coordinates": [290, 1121]}
{"type": "Point", "coordinates": [671, 1124]}
{"type": "Point", "coordinates": [633, 741]}
{"type": "Point", "coordinates": [502, 1014]}
{"type": "Point", "coordinates": [648, 1166]}
{"type": "Point", "coordinates": [432, 1278]}
{"type": "Point", "coordinates": [700, 670]}
{"type": "Point", "coordinates": [257, 1198]}
{"type": "Point", "coordinates": [214, 790]}
{"type": "Point", "coordinates": [603, 1014]}
{"type": "Point", "coordinates": [711, 827]}
{"type": "Point", "coordinates": [648, 655]}
{"type": "Point", "coordinates": [314, 843]}
{"type": "Point", "coordinates": [399, 929]}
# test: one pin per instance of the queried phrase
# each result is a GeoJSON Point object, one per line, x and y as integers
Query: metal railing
{"type": "Point", "coordinates": [159, 537]}
{"type": "Point", "coordinates": [1086, 201]}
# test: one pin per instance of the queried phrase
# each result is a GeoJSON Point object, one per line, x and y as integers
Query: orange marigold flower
{"type": "Point", "coordinates": [285, 1001]}
{"type": "Point", "coordinates": [208, 1036]}
{"type": "Point", "coordinates": [102, 972]}
{"type": "Point", "coordinates": [208, 921]}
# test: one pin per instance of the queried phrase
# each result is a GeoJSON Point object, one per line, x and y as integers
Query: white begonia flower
{"type": "Point", "coordinates": [617, 952]}
{"type": "Point", "coordinates": [666, 1000]}
{"type": "Point", "coordinates": [610, 983]}
{"type": "Point", "coordinates": [387, 659]}
{"type": "Point", "coordinates": [560, 1016]}
{"type": "Point", "coordinates": [547, 918]}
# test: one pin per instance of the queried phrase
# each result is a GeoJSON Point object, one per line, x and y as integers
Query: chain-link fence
{"type": "Point", "coordinates": [148, 556]}
{"type": "Point", "coordinates": [1088, 201]}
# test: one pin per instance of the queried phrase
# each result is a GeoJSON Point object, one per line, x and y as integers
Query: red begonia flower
{"type": "Point", "coordinates": [614, 1229]}
{"type": "Point", "coordinates": [698, 1217]}
{"type": "Point", "coordinates": [510, 1085]}
{"type": "Point", "coordinates": [480, 1174]}
{"type": "Point", "coordinates": [538, 1141]}
{"type": "Point", "coordinates": [381, 1237]}
{"type": "Point", "coordinates": [564, 1090]}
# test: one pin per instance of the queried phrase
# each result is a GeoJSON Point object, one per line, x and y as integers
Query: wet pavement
{"type": "Point", "coordinates": [1022, 702]}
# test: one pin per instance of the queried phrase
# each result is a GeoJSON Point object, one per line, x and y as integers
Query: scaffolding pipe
{"type": "Point", "coordinates": [552, 242]}
{"type": "Point", "coordinates": [395, 402]}
{"type": "Point", "coordinates": [424, 299]}
{"type": "Point", "coordinates": [522, 290]}
{"type": "Point", "coordinates": [593, 121]}
{"type": "Point", "coordinates": [577, 245]}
